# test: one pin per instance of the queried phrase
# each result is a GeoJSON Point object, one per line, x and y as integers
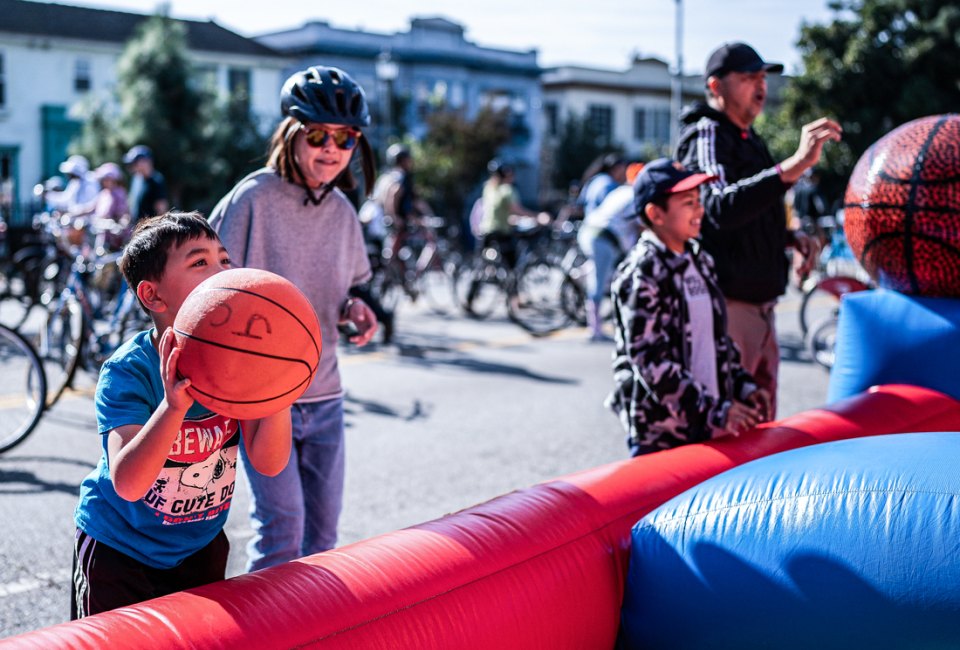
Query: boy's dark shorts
{"type": "Point", "coordinates": [104, 578]}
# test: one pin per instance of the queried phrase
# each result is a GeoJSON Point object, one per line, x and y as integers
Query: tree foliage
{"type": "Point", "coordinates": [578, 145]}
{"type": "Point", "coordinates": [201, 143]}
{"type": "Point", "coordinates": [877, 65]}
{"type": "Point", "coordinates": [453, 156]}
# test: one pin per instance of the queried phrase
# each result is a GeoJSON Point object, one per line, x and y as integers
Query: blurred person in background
{"type": "Point", "coordinates": [148, 187]}
{"type": "Point", "coordinates": [607, 233]}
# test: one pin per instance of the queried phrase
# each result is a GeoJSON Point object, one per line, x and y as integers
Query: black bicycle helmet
{"type": "Point", "coordinates": [325, 95]}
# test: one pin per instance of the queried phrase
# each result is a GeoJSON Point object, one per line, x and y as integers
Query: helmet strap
{"type": "Point", "coordinates": [317, 199]}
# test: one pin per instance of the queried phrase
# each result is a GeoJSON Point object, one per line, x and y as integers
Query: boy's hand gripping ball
{"type": "Point", "coordinates": [250, 343]}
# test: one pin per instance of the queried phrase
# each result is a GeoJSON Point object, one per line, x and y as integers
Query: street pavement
{"type": "Point", "coordinates": [455, 413]}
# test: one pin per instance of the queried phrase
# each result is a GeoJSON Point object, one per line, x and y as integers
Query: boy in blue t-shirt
{"type": "Point", "coordinates": [151, 515]}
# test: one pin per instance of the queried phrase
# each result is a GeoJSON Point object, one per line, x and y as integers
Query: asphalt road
{"type": "Point", "coordinates": [453, 414]}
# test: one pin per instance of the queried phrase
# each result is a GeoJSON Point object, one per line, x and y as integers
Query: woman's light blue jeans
{"type": "Point", "coordinates": [295, 513]}
{"type": "Point", "coordinates": [604, 254]}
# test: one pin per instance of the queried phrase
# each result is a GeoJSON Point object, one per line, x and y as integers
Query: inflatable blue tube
{"type": "Point", "coordinates": [888, 337]}
{"type": "Point", "coordinates": [850, 544]}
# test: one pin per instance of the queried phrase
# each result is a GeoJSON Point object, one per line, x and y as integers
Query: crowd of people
{"type": "Point", "coordinates": [100, 195]}
{"type": "Point", "coordinates": [704, 237]}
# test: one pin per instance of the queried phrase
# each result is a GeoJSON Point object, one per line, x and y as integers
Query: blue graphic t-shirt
{"type": "Point", "coordinates": [190, 499]}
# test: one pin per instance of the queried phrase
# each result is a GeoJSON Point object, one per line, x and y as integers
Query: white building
{"type": "Point", "coordinates": [630, 109]}
{"type": "Point", "coordinates": [53, 56]}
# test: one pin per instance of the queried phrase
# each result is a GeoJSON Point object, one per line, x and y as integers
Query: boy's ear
{"type": "Point", "coordinates": [147, 293]}
{"type": "Point", "coordinates": [654, 214]}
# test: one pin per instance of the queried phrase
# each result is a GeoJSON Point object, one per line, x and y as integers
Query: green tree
{"type": "Point", "coordinates": [160, 107]}
{"type": "Point", "coordinates": [877, 65]}
{"type": "Point", "coordinates": [200, 143]}
{"type": "Point", "coordinates": [453, 156]}
{"type": "Point", "coordinates": [235, 148]}
{"type": "Point", "coordinates": [578, 145]}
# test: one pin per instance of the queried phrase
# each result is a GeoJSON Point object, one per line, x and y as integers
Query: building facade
{"type": "Point", "coordinates": [53, 58]}
{"type": "Point", "coordinates": [430, 67]}
{"type": "Point", "coordinates": [629, 109]}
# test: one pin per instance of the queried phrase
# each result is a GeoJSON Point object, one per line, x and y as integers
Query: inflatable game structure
{"type": "Point", "coordinates": [839, 526]}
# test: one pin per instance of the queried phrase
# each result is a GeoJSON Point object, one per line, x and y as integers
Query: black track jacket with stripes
{"type": "Point", "coordinates": [745, 227]}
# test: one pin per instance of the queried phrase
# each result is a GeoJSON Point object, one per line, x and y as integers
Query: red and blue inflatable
{"type": "Point", "coordinates": [543, 567]}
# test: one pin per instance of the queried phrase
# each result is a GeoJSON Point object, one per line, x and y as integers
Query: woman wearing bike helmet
{"type": "Point", "coordinates": [293, 218]}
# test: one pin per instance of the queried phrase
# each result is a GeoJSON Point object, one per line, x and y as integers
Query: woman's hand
{"type": "Point", "coordinates": [363, 318]}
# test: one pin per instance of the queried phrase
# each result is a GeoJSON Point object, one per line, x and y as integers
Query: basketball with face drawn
{"type": "Point", "coordinates": [250, 343]}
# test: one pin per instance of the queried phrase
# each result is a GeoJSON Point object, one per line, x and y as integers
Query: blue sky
{"type": "Point", "coordinates": [595, 33]}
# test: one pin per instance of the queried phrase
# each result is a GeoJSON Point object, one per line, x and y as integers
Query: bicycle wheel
{"type": "Point", "coordinates": [59, 345]}
{"type": "Point", "coordinates": [479, 288]}
{"type": "Point", "coordinates": [536, 304]}
{"type": "Point", "coordinates": [24, 392]}
{"type": "Point", "coordinates": [821, 341]}
{"type": "Point", "coordinates": [14, 310]}
{"type": "Point", "coordinates": [815, 304]}
{"type": "Point", "coordinates": [387, 286]}
{"type": "Point", "coordinates": [573, 301]}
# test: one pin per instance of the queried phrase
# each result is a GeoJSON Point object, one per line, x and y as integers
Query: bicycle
{"type": "Point", "coordinates": [24, 254]}
{"type": "Point", "coordinates": [531, 289]}
{"type": "Point", "coordinates": [85, 286]}
{"type": "Point", "coordinates": [422, 266]}
{"type": "Point", "coordinates": [839, 274]}
{"type": "Point", "coordinates": [23, 396]}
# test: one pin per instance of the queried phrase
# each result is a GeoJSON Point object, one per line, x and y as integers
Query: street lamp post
{"type": "Point", "coordinates": [387, 71]}
{"type": "Point", "coordinates": [676, 88]}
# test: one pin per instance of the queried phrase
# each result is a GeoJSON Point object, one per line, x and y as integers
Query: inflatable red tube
{"type": "Point", "coordinates": [539, 567]}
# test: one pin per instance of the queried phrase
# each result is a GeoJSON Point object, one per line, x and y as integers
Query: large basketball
{"type": "Point", "coordinates": [902, 208]}
{"type": "Point", "coordinates": [250, 343]}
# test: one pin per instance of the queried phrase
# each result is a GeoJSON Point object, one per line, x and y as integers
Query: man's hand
{"type": "Point", "coordinates": [809, 250]}
{"type": "Point", "coordinates": [812, 138]}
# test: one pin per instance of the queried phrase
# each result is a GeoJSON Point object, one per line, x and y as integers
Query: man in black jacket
{"type": "Point", "coordinates": [745, 227]}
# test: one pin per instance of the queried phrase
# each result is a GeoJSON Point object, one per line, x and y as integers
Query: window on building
{"type": "Point", "coordinates": [552, 113]}
{"type": "Point", "coordinates": [458, 94]}
{"type": "Point", "coordinates": [82, 81]}
{"type": "Point", "coordinates": [640, 124]}
{"type": "Point", "coordinates": [661, 125]}
{"type": "Point", "coordinates": [205, 76]}
{"type": "Point", "coordinates": [238, 84]}
{"type": "Point", "coordinates": [3, 83]}
{"type": "Point", "coordinates": [600, 118]}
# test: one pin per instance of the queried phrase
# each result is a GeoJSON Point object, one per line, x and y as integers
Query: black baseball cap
{"type": "Point", "coordinates": [737, 57]}
{"type": "Point", "coordinates": [136, 153]}
{"type": "Point", "coordinates": [662, 177]}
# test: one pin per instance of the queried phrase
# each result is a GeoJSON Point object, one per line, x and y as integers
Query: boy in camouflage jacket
{"type": "Point", "coordinates": [677, 373]}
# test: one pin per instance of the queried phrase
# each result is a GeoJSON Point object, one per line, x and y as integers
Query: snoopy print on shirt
{"type": "Point", "coordinates": [199, 475]}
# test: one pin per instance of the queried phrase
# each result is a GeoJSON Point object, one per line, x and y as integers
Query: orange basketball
{"type": "Point", "coordinates": [902, 208]}
{"type": "Point", "coordinates": [250, 343]}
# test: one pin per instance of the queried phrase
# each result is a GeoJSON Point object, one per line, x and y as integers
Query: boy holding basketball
{"type": "Point", "coordinates": [677, 373]}
{"type": "Point", "coordinates": [151, 515]}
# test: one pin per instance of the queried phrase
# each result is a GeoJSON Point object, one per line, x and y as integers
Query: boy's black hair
{"type": "Point", "coordinates": [660, 202]}
{"type": "Point", "coordinates": [145, 255]}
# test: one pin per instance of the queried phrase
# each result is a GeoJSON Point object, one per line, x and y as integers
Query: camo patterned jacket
{"type": "Point", "coordinates": [659, 403]}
